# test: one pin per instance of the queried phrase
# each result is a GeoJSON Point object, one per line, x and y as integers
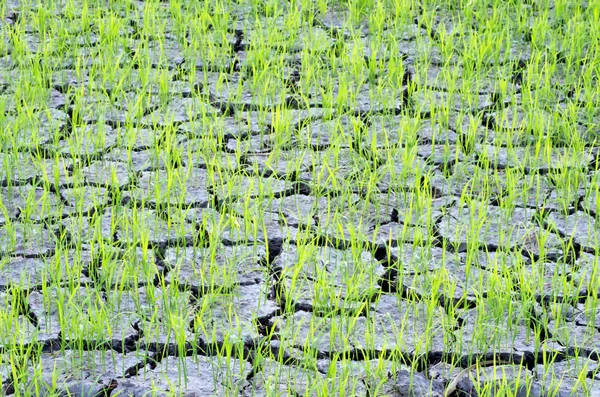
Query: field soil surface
{"type": "Point", "coordinates": [299, 198]}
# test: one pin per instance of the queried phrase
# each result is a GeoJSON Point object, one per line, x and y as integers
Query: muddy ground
{"type": "Point", "coordinates": [131, 361]}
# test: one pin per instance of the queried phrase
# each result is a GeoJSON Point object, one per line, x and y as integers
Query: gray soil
{"type": "Point", "coordinates": [89, 164]}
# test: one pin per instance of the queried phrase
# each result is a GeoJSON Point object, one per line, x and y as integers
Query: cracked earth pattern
{"type": "Point", "coordinates": [246, 285]}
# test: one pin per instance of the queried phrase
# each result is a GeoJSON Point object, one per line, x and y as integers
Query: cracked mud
{"type": "Point", "coordinates": [135, 263]}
